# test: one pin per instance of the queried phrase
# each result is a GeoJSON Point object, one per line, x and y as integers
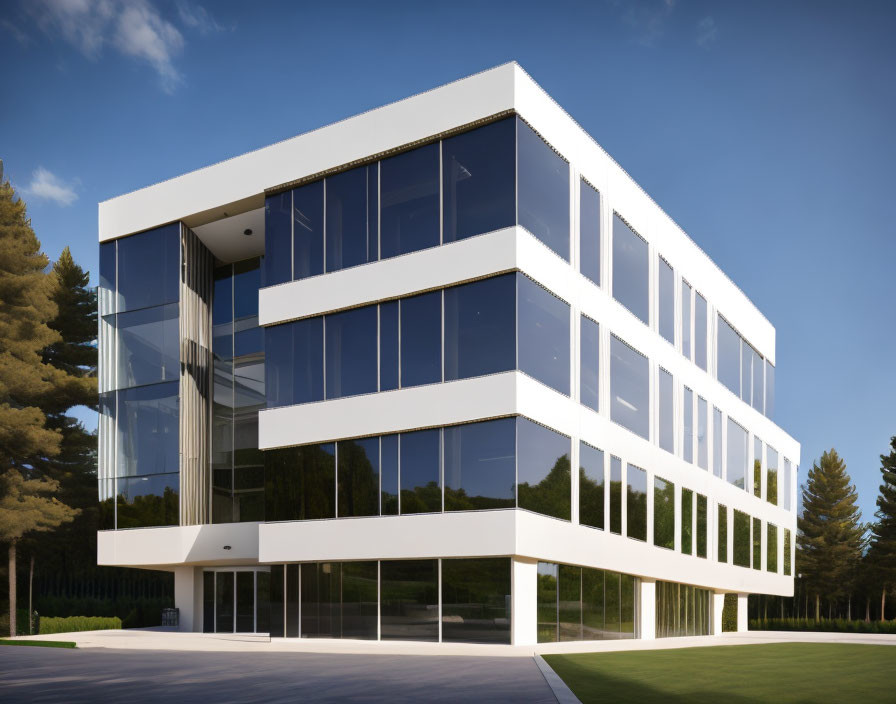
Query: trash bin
{"type": "Point", "coordinates": [170, 617]}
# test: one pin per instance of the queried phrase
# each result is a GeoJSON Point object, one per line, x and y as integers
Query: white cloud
{"type": "Point", "coordinates": [648, 18]}
{"type": "Point", "coordinates": [707, 31]}
{"type": "Point", "coordinates": [45, 184]}
{"type": "Point", "coordinates": [198, 18]}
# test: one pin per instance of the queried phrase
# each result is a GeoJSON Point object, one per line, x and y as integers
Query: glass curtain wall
{"type": "Point", "coordinates": [237, 601]}
{"type": "Point", "coordinates": [743, 370]}
{"type": "Point", "coordinates": [682, 610]}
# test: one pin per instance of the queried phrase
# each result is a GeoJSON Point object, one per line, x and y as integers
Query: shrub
{"type": "Point", "coordinates": [71, 624]}
{"type": "Point", "coordinates": [21, 623]}
{"type": "Point", "coordinates": [835, 625]}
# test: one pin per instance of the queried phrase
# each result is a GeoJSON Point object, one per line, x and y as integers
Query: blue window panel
{"type": "Point", "coordinates": [147, 423]}
{"type": "Point", "coordinates": [700, 332]}
{"type": "Point", "coordinates": [589, 232]}
{"type": "Point", "coordinates": [421, 490]}
{"type": "Point", "coordinates": [246, 282]}
{"type": "Point", "coordinates": [630, 270]}
{"type": "Point", "coordinates": [479, 180]}
{"type": "Point", "coordinates": [728, 345]}
{"type": "Point", "coordinates": [389, 346]}
{"type": "Point", "coordinates": [358, 477]}
{"type": "Point", "coordinates": [409, 201]}
{"type": "Point", "coordinates": [769, 389]}
{"type": "Point", "coordinates": [148, 346]}
{"type": "Point", "coordinates": [294, 362]}
{"type": "Point", "coordinates": [666, 295]}
{"type": "Point", "coordinates": [308, 231]}
{"type": "Point", "coordinates": [107, 292]}
{"type": "Point", "coordinates": [389, 472]}
{"type": "Point", "coordinates": [589, 359]}
{"type": "Point", "coordinates": [543, 330]}
{"type": "Point", "coordinates": [629, 388]}
{"type": "Point", "coordinates": [687, 447]}
{"type": "Point", "coordinates": [480, 328]}
{"type": "Point", "coordinates": [591, 486]}
{"type": "Point", "coordinates": [222, 296]}
{"type": "Point", "coordinates": [248, 341]}
{"type": "Point", "coordinates": [543, 190]}
{"type": "Point", "coordinates": [149, 268]}
{"type": "Point", "coordinates": [351, 237]}
{"type": "Point", "coordinates": [277, 239]}
{"type": "Point", "coordinates": [351, 352]}
{"type": "Point", "coordinates": [543, 470]}
{"type": "Point", "coordinates": [480, 465]}
{"type": "Point", "coordinates": [667, 412]}
{"type": "Point", "coordinates": [144, 502]}
{"type": "Point", "coordinates": [421, 339]}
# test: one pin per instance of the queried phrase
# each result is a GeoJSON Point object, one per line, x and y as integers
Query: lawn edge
{"type": "Point", "coordinates": [562, 693]}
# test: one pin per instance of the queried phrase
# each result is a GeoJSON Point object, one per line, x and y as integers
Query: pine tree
{"type": "Point", "coordinates": [882, 554]}
{"type": "Point", "coordinates": [831, 536]}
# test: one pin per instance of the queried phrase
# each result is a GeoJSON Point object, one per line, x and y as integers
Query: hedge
{"type": "Point", "coordinates": [49, 624]}
{"type": "Point", "coordinates": [835, 625]}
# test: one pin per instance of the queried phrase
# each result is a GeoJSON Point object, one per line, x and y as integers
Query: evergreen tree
{"type": "Point", "coordinates": [882, 554]}
{"type": "Point", "coordinates": [831, 536]}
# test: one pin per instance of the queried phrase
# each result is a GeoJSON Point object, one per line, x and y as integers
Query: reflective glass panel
{"type": "Point", "coordinates": [702, 434]}
{"type": "Point", "coordinates": [294, 362]}
{"type": "Point", "coordinates": [409, 600]}
{"type": "Point", "coordinates": [757, 466]}
{"type": "Point", "coordinates": [636, 502]}
{"type": "Point", "coordinates": [208, 602]}
{"type": "Point", "coordinates": [224, 602]}
{"type": "Point", "coordinates": [409, 201]}
{"type": "Point", "coordinates": [687, 521]}
{"type": "Point", "coordinates": [543, 335]}
{"type": "Point", "coordinates": [542, 190]}
{"type": "Point", "coordinates": [149, 268]}
{"type": "Point", "coordinates": [615, 495]}
{"type": "Point", "coordinates": [746, 371]}
{"type": "Point", "coordinates": [728, 356]}
{"type": "Point", "coordinates": [771, 483]}
{"type": "Point", "coordinates": [722, 535]}
{"type": "Point", "coordinates": [784, 491]}
{"type": "Point", "coordinates": [421, 491]}
{"type": "Point", "coordinates": [476, 600]}
{"type": "Point", "coordinates": [292, 601]}
{"type": "Point", "coordinates": [700, 331]}
{"type": "Point", "coordinates": [277, 239]}
{"type": "Point", "coordinates": [769, 389]}
{"type": "Point", "coordinates": [245, 602]}
{"type": "Point", "coordinates": [741, 539]}
{"type": "Point", "coordinates": [351, 228]}
{"type": "Point", "coordinates": [300, 482]}
{"type": "Point", "coordinates": [589, 231]}
{"type": "Point", "coordinates": [147, 421]}
{"type": "Point", "coordinates": [388, 346]}
{"type": "Point", "coordinates": [148, 346]}
{"type": "Point", "coordinates": [630, 270]}
{"type": "Point", "coordinates": [664, 514]}
{"type": "Point", "coordinates": [771, 548]}
{"type": "Point", "coordinates": [666, 295]}
{"type": "Point", "coordinates": [569, 603]}
{"type": "Point", "coordinates": [358, 476]}
{"type": "Point", "coordinates": [147, 501]}
{"type": "Point", "coordinates": [701, 525]}
{"type": "Point", "coordinates": [717, 442]}
{"type": "Point", "coordinates": [687, 447]}
{"type": "Point", "coordinates": [758, 382]}
{"type": "Point", "coordinates": [308, 231]}
{"type": "Point", "coordinates": [351, 352]}
{"type": "Point", "coordinates": [547, 602]}
{"type": "Point", "coordinates": [737, 455]}
{"type": "Point", "coordinates": [480, 465]}
{"type": "Point", "coordinates": [543, 470]}
{"type": "Point", "coordinates": [589, 358]}
{"type": "Point", "coordinates": [389, 471]}
{"type": "Point", "coordinates": [107, 292]}
{"type": "Point", "coordinates": [629, 388]}
{"type": "Point", "coordinates": [667, 412]}
{"type": "Point", "coordinates": [246, 282]}
{"type": "Point", "coordinates": [787, 552]}
{"type": "Point", "coordinates": [591, 486]}
{"type": "Point", "coordinates": [478, 176]}
{"type": "Point", "coordinates": [757, 544]}
{"type": "Point", "coordinates": [686, 306]}
{"type": "Point", "coordinates": [421, 339]}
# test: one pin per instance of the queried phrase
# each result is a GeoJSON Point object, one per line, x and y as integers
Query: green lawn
{"type": "Point", "coordinates": [734, 674]}
{"type": "Point", "coordinates": [40, 643]}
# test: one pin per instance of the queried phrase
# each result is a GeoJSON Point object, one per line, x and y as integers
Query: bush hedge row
{"type": "Point", "coordinates": [835, 625]}
{"type": "Point", "coordinates": [70, 624]}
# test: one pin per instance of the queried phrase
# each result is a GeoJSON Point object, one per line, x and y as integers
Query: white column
{"type": "Point", "coordinates": [523, 601]}
{"type": "Point", "coordinates": [718, 607]}
{"type": "Point", "coordinates": [647, 609]}
{"type": "Point", "coordinates": [188, 598]}
{"type": "Point", "coordinates": [742, 613]}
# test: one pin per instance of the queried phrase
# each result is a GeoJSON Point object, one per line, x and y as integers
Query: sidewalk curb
{"type": "Point", "coordinates": [562, 693]}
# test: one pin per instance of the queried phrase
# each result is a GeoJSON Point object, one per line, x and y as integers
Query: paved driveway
{"type": "Point", "coordinates": [103, 675]}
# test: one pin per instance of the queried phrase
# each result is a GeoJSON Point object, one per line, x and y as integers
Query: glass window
{"type": "Point", "coordinates": [589, 231]}
{"type": "Point", "coordinates": [636, 503]}
{"type": "Point", "coordinates": [294, 362]}
{"type": "Point", "coordinates": [589, 358]}
{"type": "Point", "coordinates": [421, 491]}
{"type": "Point", "coordinates": [700, 331]}
{"type": "Point", "coordinates": [308, 231]}
{"type": "Point", "coordinates": [667, 412]}
{"type": "Point", "coordinates": [741, 539]}
{"type": "Point", "coordinates": [147, 423]}
{"type": "Point", "coordinates": [388, 345]}
{"type": "Point", "coordinates": [300, 483]}
{"type": "Point", "coordinates": [543, 335]}
{"type": "Point", "coordinates": [542, 190]}
{"type": "Point", "coordinates": [149, 268]}
{"type": "Point", "coordinates": [771, 484]}
{"type": "Point", "coordinates": [421, 339]}
{"type": "Point", "coordinates": [409, 201]}
{"type": "Point", "coordinates": [543, 471]}
{"type": "Point", "coordinates": [148, 345]}
{"type": "Point", "coordinates": [591, 486]}
{"type": "Point", "coordinates": [629, 388]}
{"type": "Point", "coordinates": [476, 600]}
{"type": "Point", "coordinates": [666, 295]}
{"type": "Point", "coordinates": [769, 389]}
{"type": "Point", "coordinates": [569, 603]}
{"type": "Point", "coordinates": [728, 356]}
{"type": "Point", "coordinates": [480, 328]}
{"type": "Point", "coordinates": [664, 513]}
{"type": "Point", "coordinates": [547, 602]}
{"type": "Point", "coordinates": [358, 477]}
{"type": "Point", "coordinates": [351, 233]}
{"type": "Point", "coordinates": [479, 177]}
{"type": "Point", "coordinates": [722, 543]}
{"type": "Point", "coordinates": [737, 455]}
{"type": "Point", "coordinates": [246, 282]}
{"type": "Point", "coordinates": [277, 239]}
{"type": "Point", "coordinates": [107, 289]}
{"type": "Point", "coordinates": [682, 610]}
{"type": "Point", "coordinates": [480, 466]}
{"type": "Point", "coordinates": [339, 600]}
{"type": "Point", "coordinates": [389, 475]}
{"type": "Point", "coordinates": [351, 361]}
{"type": "Point", "coordinates": [687, 447]}
{"type": "Point", "coordinates": [717, 442]}
{"type": "Point", "coordinates": [686, 306]}
{"type": "Point", "coordinates": [702, 434]}
{"type": "Point", "coordinates": [757, 467]}
{"type": "Point", "coordinates": [784, 491]}
{"type": "Point", "coordinates": [687, 521]}
{"type": "Point", "coordinates": [758, 382]}
{"type": "Point", "coordinates": [701, 525]}
{"type": "Point", "coordinates": [147, 501]}
{"type": "Point", "coordinates": [757, 544]}
{"type": "Point", "coordinates": [292, 601]}
{"type": "Point", "coordinates": [771, 548]}
{"type": "Point", "coordinates": [630, 270]}
{"type": "Point", "coordinates": [409, 600]}
{"type": "Point", "coordinates": [787, 552]}
{"type": "Point", "coordinates": [615, 495]}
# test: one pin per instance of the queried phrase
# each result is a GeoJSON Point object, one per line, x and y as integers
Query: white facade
{"type": "Point", "coordinates": [237, 188]}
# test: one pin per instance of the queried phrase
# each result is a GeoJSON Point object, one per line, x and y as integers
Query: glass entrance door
{"type": "Point", "coordinates": [236, 601]}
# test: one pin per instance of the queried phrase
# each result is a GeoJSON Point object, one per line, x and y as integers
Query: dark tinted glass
{"type": "Point", "coordinates": [339, 600]}
{"type": "Point", "coordinates": [222, 297]}
{"type": "Point", "coordinates": [728, 356]}
{"type": "Point", "coordinates": [389, 470]}
{"type": "Point", "coordinates": [277, 239]}
{"type": "Point", "coordinates": [208, 602]}
{"type": "Point", "coordinates": [245, 602]}
{"type": "Point", "coordinates": [148, 346]}
{"type": "Point", "coordinates": [787, 552]}
{"type": "Point", "coordinates": [741, 539]}
{"type": "Point", "coordinates": [722, 536]}
{"type": "Point", "coordinates": [478, 173]}
{"type": "Point", "coordinates": [687, 521]}
{"type": "Point", "coordinates": [627, 598]}
{"type": "Point", "coordinates": [149, 268]}
{"type": "Point", "coordinates": [421, 491]}
{"type": "Point", "coordinates": [667, 412]}
{"type": "Point", "coordinates": [388, 346]}
{"type": "Point", "coordinates": [224, 598]}
{"type": "Point", "coordinates": [666, 295]}
{"type": "Point", "coordinates": [294, 362]}
{"type": "Point", "coordinates": [358, 476]}
{"type": "Point", "coordinates": [147, 424]}
{"type": "Point", "coordinates": [757, 544]}
{"type": "Point", "coordinates": [771, 548]}
{"type": "Point", "coordinates": [612, 596]}
{"type": "Point", "coordinates": [480, 328]}
{"type": "Point", "coordinates": [359, 600]}
{"type": "Point", "coordinates": [246, 282]}
{"type": "Point", "coordinates": [700, 331]}
{"type": "Point", "coordinates": [547, 602]}
{"type": "Point", "coordinates": [351, 354]}
{"type": "Point", "coordinates": [262, 602]}
{"type": "Point", "coordinates": [409, 201]}
{"type": "Point", "coordinates": [636, 503]}
{"type": "Point", "coordinates": [616, 495]}
{"type": "Point", "coordinates": [664, 513]}
{"type": "Point", "coordinates": [277, 602]}
{"type": "Point", "coordinates": [569, 603]}
{"type": "Point", "coordinates": [421, 339]}
{"type": "Point", "coordinates": [543, 470]}
{"type": "Point", "coordinates": [299, 483]}
{"type": "Point", "coordinates": [480, 467]}
{"type": "Point", "coordinates": [629, 388]}
{"type": "Point", "coordinates": [409, 599]}
{"type": "Point", "coordinates": [701, 525]}
{"type": "Point", "coordinates": [543, 335]}
{"type": "Point", "coordinates": [292, 601]}
{"type": "Point", "coordinates": [591, 486]}
{"type": "Point", "coordinates": [308, 231]}
{"type": "Point", "coordinates": [593, 623]}
{"type": "Point", "coordinates": [543, 190]}
{"type": "Point", "coordinates": [351, 232]}
{"type": "Point", "coordinates": [148, 501]}
{"type": "Point", "coordinates": [589, 232]}
{"type": "Point", "coordinates": [630, 270]}
{"type": "Point", "coordinates": [476, 600]}
{"type": "Point", "coordinates": [589, 340]}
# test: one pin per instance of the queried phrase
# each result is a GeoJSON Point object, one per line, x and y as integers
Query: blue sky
{"type": "Point", "coordinates": [766, 130]}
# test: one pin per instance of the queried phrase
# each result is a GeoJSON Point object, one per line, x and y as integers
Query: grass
{"type": "Point", "coordinates": [40, 643]}
{"type": "Point", "coordinates": [734, 674]}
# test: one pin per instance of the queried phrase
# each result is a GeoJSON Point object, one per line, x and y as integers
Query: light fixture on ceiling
{"type": "Point", "coordinates": [227, 547]}
{"type": "Point", "coordinates": [247, 231]}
